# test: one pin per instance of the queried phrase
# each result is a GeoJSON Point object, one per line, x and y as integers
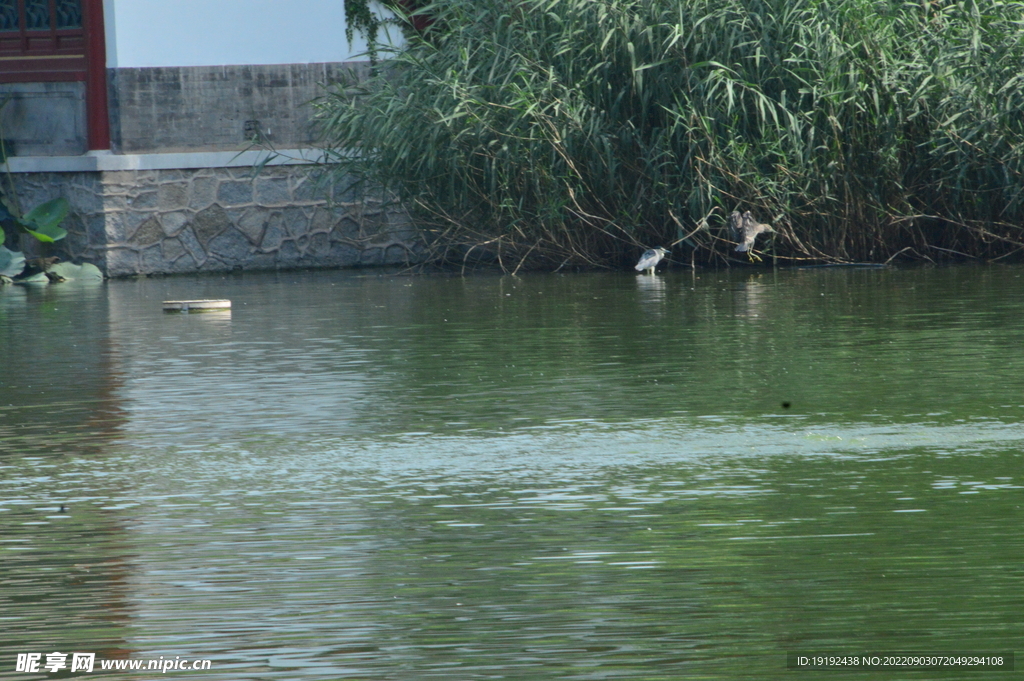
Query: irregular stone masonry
{"type": "Point", "coordinates": [135, 222]}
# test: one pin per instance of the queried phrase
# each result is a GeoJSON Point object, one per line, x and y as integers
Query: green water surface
{"type": "Point", "coordinates": [356, 475]}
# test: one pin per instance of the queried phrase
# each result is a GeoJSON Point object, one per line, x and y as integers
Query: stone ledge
{"type": "Point", "coordinates": [104, 161]}
{"type": "Point", "coordinates": [175, 220]}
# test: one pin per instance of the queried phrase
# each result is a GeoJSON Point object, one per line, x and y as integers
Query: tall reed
{"type": "Point", "coordinates": [554, 132]}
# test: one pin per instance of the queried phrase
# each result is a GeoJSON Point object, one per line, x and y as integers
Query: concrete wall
{"type": "Point", "coordinates": [132, 222]}
{"type": "Point", "coordinates": [157, 33]}
{"type": "Point", "coordinates": [44, 119]}
{"type": "Point", "coordinates": [195, 74]}
{"type": "Point", "coordinates": [189, 75]}
{"type": "Point", "coordinates": [170, 109]}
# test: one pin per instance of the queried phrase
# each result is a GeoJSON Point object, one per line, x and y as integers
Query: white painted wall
{"type": "Point", "coordinates": [142, 33]}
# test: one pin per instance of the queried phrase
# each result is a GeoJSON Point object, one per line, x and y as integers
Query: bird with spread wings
{"type": "Point", "coordinates": [745, 229]}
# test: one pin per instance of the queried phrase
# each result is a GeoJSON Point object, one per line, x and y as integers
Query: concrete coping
{"type": "Point", "coordinates": [100, 161]}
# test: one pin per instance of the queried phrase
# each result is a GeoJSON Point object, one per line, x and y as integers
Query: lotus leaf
{"type": "Point", "coordinates": [43, 221]}
{"type": "Point", "coordinates": [69, 271]}
{"type": "Point", "coordinates": [37, 278]}
{"type": "Point", "coordinates": [11, 262]}
{"type": "Point", "coordinates": [90, 271]}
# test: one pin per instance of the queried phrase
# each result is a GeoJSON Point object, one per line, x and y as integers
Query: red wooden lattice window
{"type": "Point", "coordinates": [41, 40]}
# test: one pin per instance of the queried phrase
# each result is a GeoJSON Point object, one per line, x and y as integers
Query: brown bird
{"type": "Point", "coordinates": [43, 263]}
{"type": "Point", "coordinates": [744, 229]}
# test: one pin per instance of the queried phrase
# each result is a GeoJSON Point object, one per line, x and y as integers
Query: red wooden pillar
{"type": "Point", "coordinates": [96, 114]}
{"type": "Point", "coordinates": [420, 22]}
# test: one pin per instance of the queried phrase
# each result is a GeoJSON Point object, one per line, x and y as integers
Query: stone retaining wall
{"type": "Point", "coordinates": [132, 222]}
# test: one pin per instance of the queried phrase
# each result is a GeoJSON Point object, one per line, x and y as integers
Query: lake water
{"type": "Point", "coordinates": [361, 475]}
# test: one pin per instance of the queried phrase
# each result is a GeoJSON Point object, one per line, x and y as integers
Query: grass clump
{"type": "Point", "coordinates": [555, 132]}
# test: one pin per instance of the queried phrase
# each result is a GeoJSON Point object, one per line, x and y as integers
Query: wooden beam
{"type": "Point", "coordinates": [96, 112]}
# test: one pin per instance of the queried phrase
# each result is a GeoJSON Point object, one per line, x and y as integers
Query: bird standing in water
{"type": "Point", "coordinates": [744, 229]}
{"type": "Point", "coordinates": [650, 259]}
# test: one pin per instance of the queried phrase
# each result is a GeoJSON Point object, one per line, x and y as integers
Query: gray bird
{"type": "Point", "coordinates": [650, 259]}
{"type": "Point", "coordinates": [744, 229]}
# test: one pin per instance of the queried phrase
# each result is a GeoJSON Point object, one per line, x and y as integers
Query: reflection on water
{"type": "Point", "coordinates": [581, 477]}
{"type": "Point", "coordinates": [751, 297]}
{"type": "Point", "coordinates": [651, 291]}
